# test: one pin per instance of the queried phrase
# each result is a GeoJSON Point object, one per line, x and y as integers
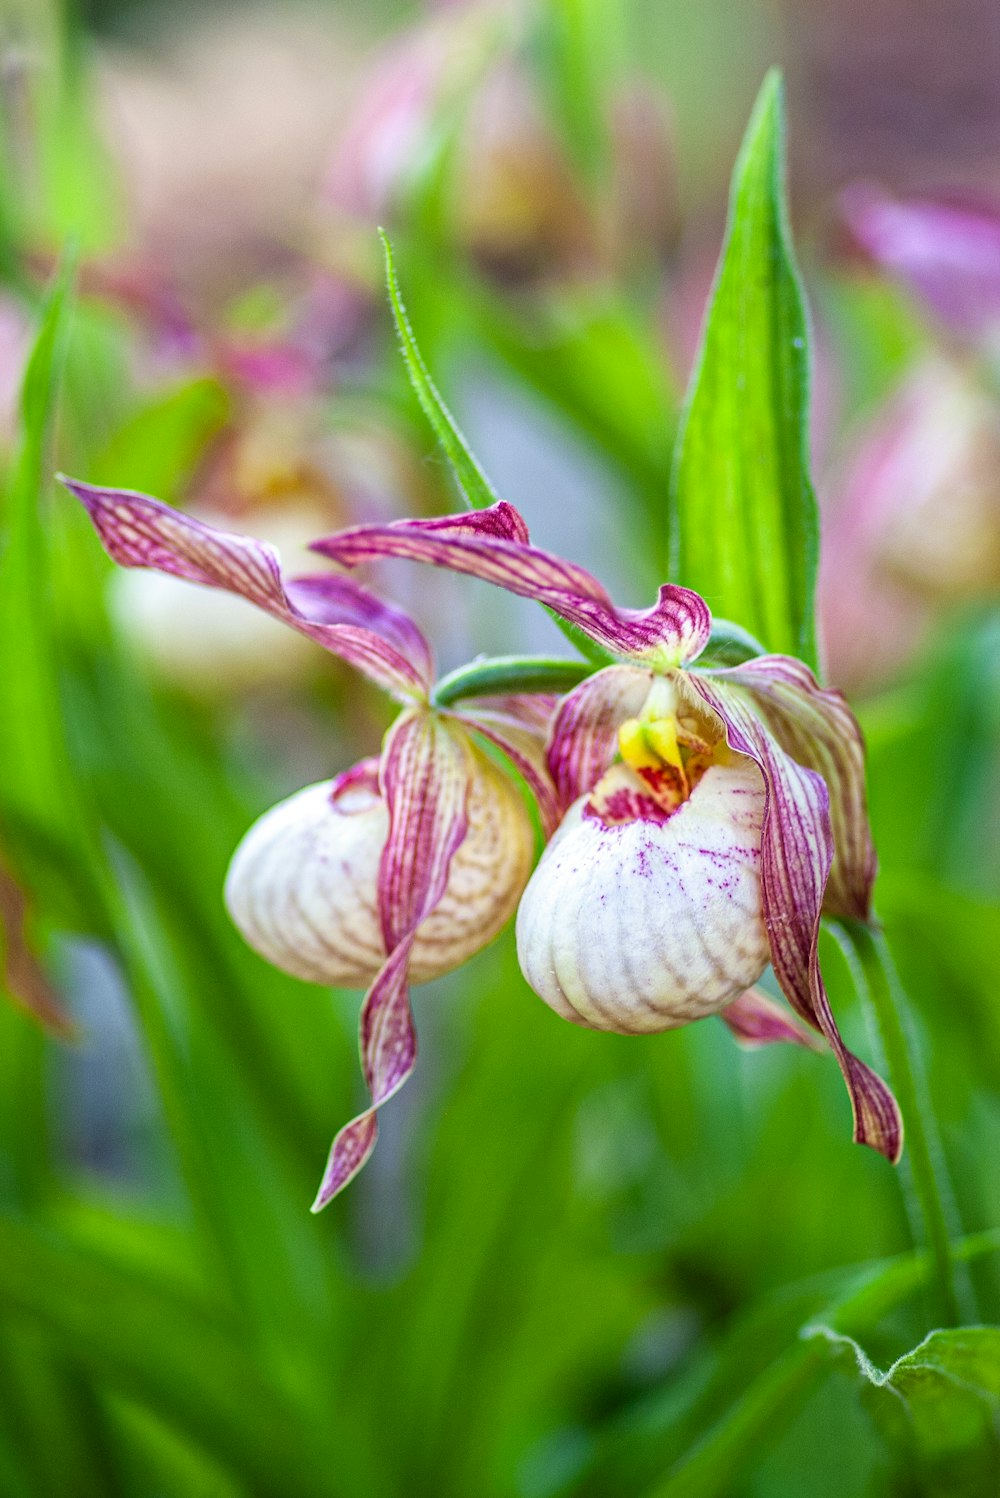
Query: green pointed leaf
{"type": "Point", "coordinates": [475, 487]}
{"type": "Point", "coordinates": [743, 513]}
{"type": "Point", "coordinates": [747, 1403]}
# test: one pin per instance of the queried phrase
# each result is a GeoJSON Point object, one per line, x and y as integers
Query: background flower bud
{"type": "Point", "coordinates": [303, 884]}
{"type": "Point", "coordinates": [644, 925]}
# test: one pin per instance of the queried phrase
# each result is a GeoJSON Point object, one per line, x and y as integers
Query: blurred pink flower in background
{"type": "Point", "coordinates": [911, 523]}
{"type": "Point", "coordinates": [459, 90]}
{"type": "Point", "coordinates": [944, 249]}
{"type": "Point", "coordinates": [912, 519]}
{"type": "Point", "coordinates": [220, 140]}
{"type": "Point", "coordinates": [15, 341]}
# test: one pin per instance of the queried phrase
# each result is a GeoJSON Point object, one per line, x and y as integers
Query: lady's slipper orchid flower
{"type": "Point", "coordinates": [710, 816]}
{"type": "Point", "coordinates": [403, 866]}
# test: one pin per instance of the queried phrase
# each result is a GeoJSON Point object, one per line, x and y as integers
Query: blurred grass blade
{"type": "Point", "coordinates": [173, 1356]}
{"type": "Point", "coordinates": [582, 42]}
{"type": "Point", "coordinates": [473, 483]}
{"type": "Point", "coordinates": [743, 514]}
{"type": "Point", "coordinates": [595, 362]}
{"type": "Point", "coordinates": [30, 731]}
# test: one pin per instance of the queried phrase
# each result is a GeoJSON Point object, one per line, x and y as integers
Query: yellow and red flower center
{"type": "Point", "coordinates": [664, 754]}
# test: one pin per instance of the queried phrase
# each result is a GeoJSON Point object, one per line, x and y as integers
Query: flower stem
{"type": "Point", "coordinates": [496, 675]}
{"type": "Point", "coordinates": [929, 1197]}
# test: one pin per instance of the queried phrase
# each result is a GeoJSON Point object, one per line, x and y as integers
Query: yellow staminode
{"type": "Point", "coordinates": [661, 735]}
{"type": "Point", "coordinates": [650, 743]}
{"type": "Point", "coordinates": [635, 749]}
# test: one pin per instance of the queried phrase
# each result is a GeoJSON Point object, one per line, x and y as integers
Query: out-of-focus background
{"type": "Point", "coordinates": [578, 1263]}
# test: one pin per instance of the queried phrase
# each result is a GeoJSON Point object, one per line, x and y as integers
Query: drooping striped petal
{"type": "Point", "coordinates": [336, 612]}
{"type": "Point", "coordinates": [945, 249]}
{"type": "Point", "coordinates": [585, 730]}
{"type": "Point", "coordinates": [816, 727]}
{"type": "Point", "coordinates": [519, 727]}
{"type": "Point", "coordinates": [493, 545]}
{"type": "Point", "coordinates": [424, 772]}
{"type": "Point", "coordinates": [388, 1044]}
{"type": "Point", "coordinates": [756, 1020]}
{"type": "Point", "coordinates": [796, 855]}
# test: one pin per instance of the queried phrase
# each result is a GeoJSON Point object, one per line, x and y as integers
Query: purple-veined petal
{"type": "Point", "coordinates": [337, 613]}
{"type": "Point", "coordinates": [327, 598]}
{"type": "Point", "coordinates": [816, 727]}
{"type": "Point", "coordinates": [389, 1051]}
{"type": "Point", "coordinates": [584, 738]}
{"type": "Point", "coordinates": [518, 726]}
{"type": "Point", "coordinates": [424, 775]}
{"type": "Point", "coordinates": [492, 544]}
{"type": "Point", "coordinates": [364, 776]}
{"type": "Point", "coordinates": [534, 710]}
{"type": "Point", "coordinates": [796, 855]}
{"type": "Point", "coordinates": [755, 1020]}
{"type": "Point", "coordinates": [424, 772]}
{"type": "Point", "coordinates": [945, 249]}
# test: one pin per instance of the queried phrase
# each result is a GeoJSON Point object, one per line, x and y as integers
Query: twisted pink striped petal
{"type": "Point", "coordinates": [329, 598]}
{"type": "Point", "coordinates": [336, 612]}
{"type": "Point", "coordinates": [493, 545]}
{"type": "Point", "coordinates": [796, 855]}
{"type": "Point", "coordinates": [585, 730]}
{"type": "Point", "coordinates": [945, 249]}
{"type": "Point", "coordinates": [518, 726]}
{"type": "Point", "coordinates": [755, 1020]}
{"type": "Point", "coordinates": [816, 727]}
{"type": "Point", "coordinates": [424, 774]}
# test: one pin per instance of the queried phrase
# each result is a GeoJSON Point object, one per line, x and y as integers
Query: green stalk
{"type": "Point", "coordinates": [929, 1196]}
{"type": "Point", "coordinates": [496, 675]}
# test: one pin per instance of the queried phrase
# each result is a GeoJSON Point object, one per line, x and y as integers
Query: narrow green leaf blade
{"type": "Point", "coordinates": [183, 1361]}
{"type": "Point", "coordinates": [743, 513]}
{"type": "Point", "coordinates": [31, 735]}
{"type": "Point", "coordinates": [475, 487]}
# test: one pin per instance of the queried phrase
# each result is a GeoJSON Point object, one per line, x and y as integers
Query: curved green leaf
{"type": "Point", "coordinates": [743, 521]}
{"type": "Point", "coordinates": [938, 1404]}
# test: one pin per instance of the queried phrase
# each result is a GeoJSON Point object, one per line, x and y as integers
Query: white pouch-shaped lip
{"type": "Point", "coordinates": [644, 925]}
{"type": "Point", "coordinates": [303, 884]}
